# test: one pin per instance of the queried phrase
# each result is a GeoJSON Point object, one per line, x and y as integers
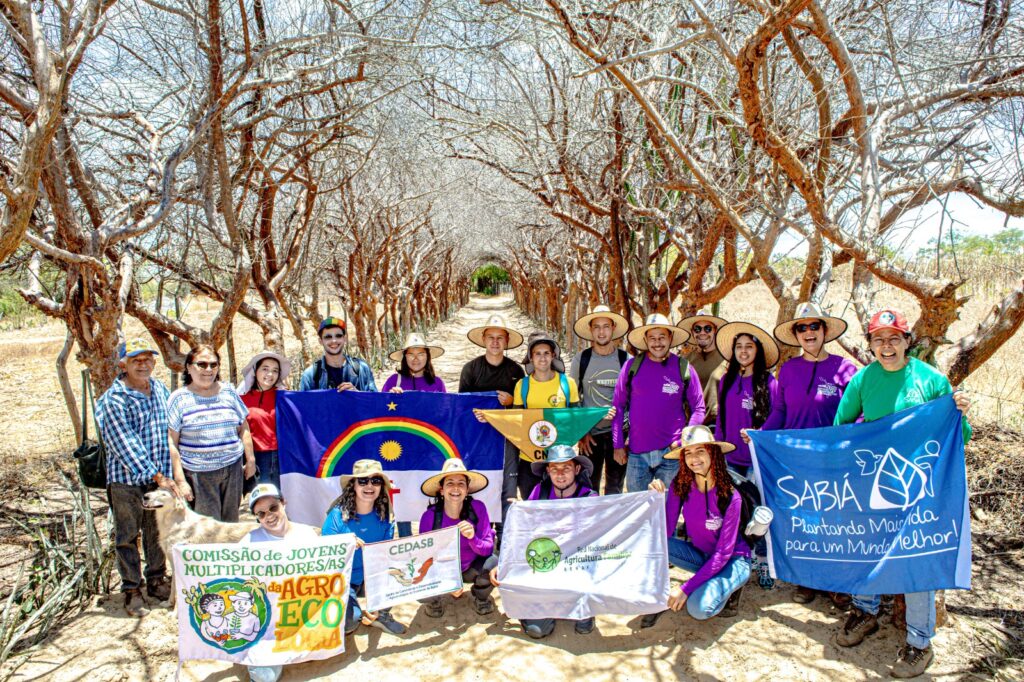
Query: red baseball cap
{"type": "Point", "coordinates": [888, 319]}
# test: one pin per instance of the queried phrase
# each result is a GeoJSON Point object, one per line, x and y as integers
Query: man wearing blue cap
{"type": "Point", "coordinates": [336, 369]}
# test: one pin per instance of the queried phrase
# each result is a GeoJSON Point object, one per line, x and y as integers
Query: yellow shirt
{"type": "Point", "coordinates": [544, 395]}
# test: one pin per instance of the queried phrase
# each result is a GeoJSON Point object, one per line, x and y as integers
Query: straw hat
{"type": "Point", "coordinates": [415, 340]}
{"type": "Point", "coordinates": [657, 321]}
{"type": "Point", "coordinates": [698, 435]}
{"type": "Point", "coordinates": [365, 468]}
{"type": "Point", "coordinates": [726, 334]}
{"type": "Point", "coordinates": [476, 334]}
{"type": "Point", "coordinates": [702, 315]}
{"type": "Point", "coordinates": [582, 325]}
{"type": "Point", "coordinates": [452, 467]}
{"type": "Point", "coordinates": [249, 371]}
{"type": "Point", "coordinates": [561, 453]}
{"type": "Point", "coordinates": [809, 312]}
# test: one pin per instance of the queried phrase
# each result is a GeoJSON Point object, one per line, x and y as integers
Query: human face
{"type": "Point", "coordinates": [704, 335]}
{"type": "Point", "coordinates": [416, 358]}
{"type": "Point", "coordinates": [745, 350]}
{"type": "Point", "coordinates": [139, 368]}
{"type": "Point", "coordinates": [563, 474]}
{"type": "Point", "coordinates": [454, 489]}
{"type": "Point", "coordinates": [601, 329]}
{"type": "Point", "coordinates": [203, 369]}
{"type": "Point", "coordinates": [368, 488]}
{"type": "Point", "coordinates": [541, 357]}
{"type": "Point", "coordinates": [495, 341]}
{"type": "Point", "coordinates": [659, 342]}
{"type": "Point", "coordinates": [698, 459]}
{"type": "Point", "coordinates": [271, 514]}
{"type": "Point", "coordinates": [333, 340]}
{"type": "Point", "coordinates": [216, 607]}
{"type": "Point", "coordinates": [268, 373]}
{"type": "Point", "coordinates": [811, 339]}
{"type": "Point", "coordinates": [242, 606]}
{"type": "Point", "coordinates": [890, 349]}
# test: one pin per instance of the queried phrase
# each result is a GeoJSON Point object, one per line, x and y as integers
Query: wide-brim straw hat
{"type": "Point", "coordinates": [476, 334]}
{"type": "Point", "coordinates": [809, 312]}
{"type": "Point", "coordinates": [702, 316]}
{"type": "Point", "coordinates": [454, 467]}
{"type": "Point", "coordinates": [698, 435]}
{"type": "Point", "coordinates": [561, 453]}
{"type": "Point", "coordinates": [657, 321]}
{"type": "Point", "coordinates": [366, 468]}
{"type": "Point", "coordinates": [582, 325]}
{"type": "Point", "coordinates": [725, 336]}
{"type": "Point", "coordinates": [249, 371]}
{"type": "Point", "coordinates": [415, 340]}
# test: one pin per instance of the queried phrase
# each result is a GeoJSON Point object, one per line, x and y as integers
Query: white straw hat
{"type": "Point", "coordinates": [657, 321]}
{"type": "Point", "coordinates": [476, 334]}
{"type": "Point", "coordinates": [415, 340]}
{"type": "Point", "coordinates": [809, 312]}
{"type": "Point", "coordinates": [725, 336]}
{"type": "Point", "coordinates": [454, 467]}
{"type": "Point", "coordinates": [582, 325]}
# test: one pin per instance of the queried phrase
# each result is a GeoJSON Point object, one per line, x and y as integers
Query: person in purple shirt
{"type": "Point", "coordinates": [703, 495]}
{"type": "Point", "coordinates": [416, 373]}
{"type": "Point", "coordinates": [453, 505]}
{"type": "Point", "coordinates": [653, 399]}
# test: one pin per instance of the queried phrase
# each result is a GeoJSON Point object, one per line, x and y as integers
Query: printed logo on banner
{"type": "Point", "coordinates": [229, 614]}
{"type": "Point", "coordinates": [408, 574]}
{"type": "Point", "coordinates": [899, 483]}
{"type": "Point", "coordinates": [543, 555]}
{"type": "Point", "coordinates": [543, 434]}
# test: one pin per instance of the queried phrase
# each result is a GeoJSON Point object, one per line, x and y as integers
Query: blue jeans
{"type": "Point", "coordinates": [708, 599]}
{"type": "Point", "coordinates": [404, 529]}
{"type": "Point", "coordinates": [644, 467]}
{"type": "Point", "coordinates": [270, 469]}
{"type": "Point", "coordinates": [920, 615]}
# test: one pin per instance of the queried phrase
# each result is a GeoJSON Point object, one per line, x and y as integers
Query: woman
{"type": "Point", "coordinates": [416, 372]}
{"type": "Point", "coordinates": [703, 494]}
{"type": "Point", "coordinates": [453, 505]}
{"type": "Point", "coordinates": [894, 382]}
{"type": "Point", "coordinates": [363, 508]}
{"type": "Point", "coordinates": [209, 436]}
{"type": "Point", "coordinates": [261, 378]}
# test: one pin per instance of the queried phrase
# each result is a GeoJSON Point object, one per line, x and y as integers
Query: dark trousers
{"type": "Point", "coordinates": [130, 519]}
{"type": "Point", "coordinates": [217, 493]}
{"type": "Point", "coordinates": [269, 467]}
{"type": "Point", "coordinates": [602, 455]}
{"type": "Point", "coordinates": [509, 477]}
{"type": "Point", "coordinates": [527, 480]}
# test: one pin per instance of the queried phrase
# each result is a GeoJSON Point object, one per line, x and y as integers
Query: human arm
{"type": "Point", "coordinates": [249, 468]}
{"type": "Point", "coordinates": [724, 547]}
{"type": "Point", "coordinates": [777, 417]}
{"type": "Point", "coordinates": [850, 405]}
{"type": "Point", "coordinates": [482, 540]}
{"type": "Point", "coordinates": [619, 402]}
{"type": "Point", "coordinates": [391, 384]}
{"type": "Point", "coordinates": [177, 471]}
{"type": "Point", "coordinates": [306, 380]}
{"type": "Point", "coordinates": [574, 393]}
{"type": "Point", "coordinates": [365, 381]}
{"type": "Point", "coordinates": [517, 395]}
{"type": "Point", "coordinates": [695, 399]}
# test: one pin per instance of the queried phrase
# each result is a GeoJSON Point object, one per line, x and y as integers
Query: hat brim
{"type": "Point", "coordinates": [432, 485]}
{"type": "Point", "coordinates": [836, 327]}
{"type": "Point", "coordinates": [726, 335]}
{"type": "Point", "coordinates": [582, 326]}
{"type": "Point", "coordinates": [435, 352]}
{"type": "Point", "coordinates": [348, 477]}
{"type": "Point", "coordinates": [476, 335]}
{"type": "Point", "coordinates": [284, 363]}
{"type": "Point", "coordinates": [539, 466]}
{"type": "Point", "coordinates": [678, 452]}
{"type": "Point", "coordinates": [636, 337]}
{"type": "Point", "coordinates": [140, 352]}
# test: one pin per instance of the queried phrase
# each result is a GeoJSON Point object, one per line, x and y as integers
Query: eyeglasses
{"type": "Point", "coordinates": [332, 337]}
{"type": "Point", "coordinates": [206, 365]}
{"type": "Point", "coordinates": [707, 329]}
{"type": "Point", "coordinates": [891, 341]}
{"type": "Point", "coordinates": [272, 509]}
{"type": "Point", "coordinates": [807, 326]}
{"type": "Point", "coordinates": [366, 480]}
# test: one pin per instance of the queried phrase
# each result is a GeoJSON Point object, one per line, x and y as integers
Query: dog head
{"type": "Point", "coordinates": [160, 499]}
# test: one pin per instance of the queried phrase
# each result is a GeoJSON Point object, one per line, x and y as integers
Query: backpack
{"type": "Point", "coordinates": [563, 383]}
{"type": "Point", "coordinates": [589, 353]}
{"type": "Point", "coordinates": [684, 374]}
{"type": "Point", "coordinates": [750, 498]}
{"type": "Point", "coordinates": [346, 369]}
{"type": "Point", "coordinates": [470, 513]}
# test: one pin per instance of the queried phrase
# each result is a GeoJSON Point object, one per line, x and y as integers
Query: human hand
{"type": "Point", "coordinates": [184, 489]}
{"type": "Point", "coordinates": [677, 600]}
{"type": "Point", "coordinates": [395, 389]}
{"type": "Point", "coordinates": [962, 400]}
{"type": "Point", "coordinates": [479, 415]}
{"type": "Point", "coordinates": [493, 577]}
{"type": "Point", "coordinates": [586, 444]}
{"type": "Point", "coordinates": [249, 470]}
{"type": "Point", "coordinates": [611, 413]}
{"type": "Point", "coordinates": [744, 436]}
{"type": "Point", "coordinates": [504, 398]}
{"type": "Point", "coordinates": [620, 455]}
{"type": "Point", "coordinates": [346, 386]}
{"type": "Point", "coordinates": [467, 530]}
{"type": "Point", "coordinates": [657, 485]}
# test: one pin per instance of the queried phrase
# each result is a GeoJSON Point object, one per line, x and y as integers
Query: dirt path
{"type": "Point", "coordinates": [772, 639]}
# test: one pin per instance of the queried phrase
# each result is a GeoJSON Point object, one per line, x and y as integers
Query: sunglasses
{"type": "Point", "coordinates": [206, 365]}
{"type": "Point", "coordinates": [707, 329]}
{"type": "Point", "coordinates": [366, 480]}
{"type": "Point", "coordinates": [807, 326]}
{"type": "Point", "coordinates": [272, 509]}
{"type": "Point", "coordinates": [331, 337]}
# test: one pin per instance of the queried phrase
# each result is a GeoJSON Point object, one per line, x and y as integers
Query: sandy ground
{"type": "Point", "coordinates": [772, 638]}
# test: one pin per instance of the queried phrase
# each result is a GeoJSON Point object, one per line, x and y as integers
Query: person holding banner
{"type": "Point", "coordinates": [336, 369]}
{"type": "Point", "coordinates": [894, 382]}
{"type": "Point", "coordinates": [703, 495]}
{"type": "Point", "coordinates": [453, 505]}
{"type": "Point", "coordinates": [416, 371]}
{"type": "Point", "coordinates": [364, 509]}
{"type": "Point", "coordinates": [261, 378]}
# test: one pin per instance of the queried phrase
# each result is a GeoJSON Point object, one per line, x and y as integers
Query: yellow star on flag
{"type": "Point", "coordinates": [392, 406]}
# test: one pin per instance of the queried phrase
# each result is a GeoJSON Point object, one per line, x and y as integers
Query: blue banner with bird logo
{"type": "Point", "coordinates": [872, 508]}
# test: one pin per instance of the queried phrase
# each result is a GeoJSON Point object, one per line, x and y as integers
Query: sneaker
{"type": "Point", "coordinates": [585, 626]}
{"type": "Point", "coordinates": [483, 606]}
{"type": "Point", "coordinates": [764, 578]}
{"type": "Point", "coordinates": [650, 619]}
{"type": "Point", "coordinates": [159, 588]}
{"type": "Point", "coordinates": [732, 607]}
{"type": "Point", "coordinates": [858, 626]}
{"type": "Point", "coordinates": [840, 600]}
{"type": "Point", "coordinates": [435, 608]}
{"type": "Point", "coordinates": [386, 622]}
{"type": "Point", "coordinates": [804, 595]}
{"type": "Point", "coordinates": [134, 604]}
{"type": "Point", "coordinates": [911, 662]}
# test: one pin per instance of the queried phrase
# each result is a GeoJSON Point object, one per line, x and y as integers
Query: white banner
{"type": "Point", "coordinates": [268, 603]}
{"type": "Point", "coordinates": [583, 557]}
{"type": "Point", "coordinates": [416, 567]}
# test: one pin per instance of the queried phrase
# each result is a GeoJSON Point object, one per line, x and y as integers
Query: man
{"type": "Point", "coordinates": [132, 417]}
{"type": "Point", "coordinates": [652, 394]}
{"type": "Point", "coordinates": [595, 371]}
{"type": "Point", "coordinates": [492, 371]}
{"type": "Point", "coordinates": [705, 359]}
{"type": "Point", "coordinates": [336, 369]}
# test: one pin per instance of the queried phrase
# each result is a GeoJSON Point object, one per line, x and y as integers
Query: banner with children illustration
{"type": "Point", "coordinates": [263, 604]}
{"type": "Point", "coordinates": [873, 508]}
{"type": "Point", "coordinates": [411, 568]}
{"type": "Point", "coordinates": [583, 557]}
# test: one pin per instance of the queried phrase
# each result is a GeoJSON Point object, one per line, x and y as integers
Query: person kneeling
{"type": "Point", "coordinates": [702, 492]}
{"type": "Point", "coordinates": [453, 506]}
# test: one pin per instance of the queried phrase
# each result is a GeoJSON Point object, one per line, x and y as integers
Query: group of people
{"type": "Point", "coordinates": [677, 423]}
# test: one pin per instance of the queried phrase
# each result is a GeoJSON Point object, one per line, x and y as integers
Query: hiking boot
{"type": "Point", "coordinates": [650, 619]}
{"type": "Point", "coordinates": [764, 577]}
{"type": "Point", "coordinates": [159, 588]}
{"type": "Point", "coordinates": [804, 595]}
{"type": "Point", "coordinates": [858, 626]}
{"type": "Point", "coordinates": [386, 622]}
{"type": "Point", "coordinates": [732, 607]}
{"type": "Point", "coordinates": [585, 626]}
{"type": "Point", "coordinates": [483, 606]}
{"type": "Point", "coordinates": [435, 608]}
{"type": "Point", "coordinates": [840, 600]}
{"type": "Point", "coordinates": [134, 604]}
{"type": "Point", "coordinates": [911, 662]}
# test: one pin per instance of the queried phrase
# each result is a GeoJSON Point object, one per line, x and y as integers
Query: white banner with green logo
{"type": "Point", "coordinates": [583, 557]}
{"type": "Point", "coordinates": [412, 568]}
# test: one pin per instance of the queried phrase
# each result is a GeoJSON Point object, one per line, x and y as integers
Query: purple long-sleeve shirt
{"type": "Point", "coordinates": [739, 414]}
{"type": "Point", "coordinates": [584, 491]}
{"type": "Point", "coordinates": [715, 535]}
{"type": "Point", "coordinates": [656, 415]}
{"type": "Point", "coordinates": [482, 543]}
{"type": "Point", "coordinates": [413, 384]}
{"type": "Point", "coordinates": [809, 393]}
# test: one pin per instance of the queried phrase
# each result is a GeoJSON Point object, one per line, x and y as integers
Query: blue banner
{"type": "Point", "coordinates": [321, 434]}
{"type": "Point", "coordinates": [872, 508]}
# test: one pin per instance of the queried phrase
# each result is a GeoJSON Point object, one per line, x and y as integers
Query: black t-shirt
{"type": "Point", "coordinates": [478, 376]}
{"type": "Point", "coordinates": [336, 376]}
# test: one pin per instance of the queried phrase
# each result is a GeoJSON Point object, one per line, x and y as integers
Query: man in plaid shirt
{"type": "Point", "coordinates": [132, 417]}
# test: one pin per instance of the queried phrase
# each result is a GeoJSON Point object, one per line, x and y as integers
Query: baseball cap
{"type": "Point", "coordinates": [263, 490]}
{"type": "Point", "coordinates": [332, 322]}
{"type": "Point", "coordinates": [135, 347]}
{"type": "Point", "coordinates": [888, 319]}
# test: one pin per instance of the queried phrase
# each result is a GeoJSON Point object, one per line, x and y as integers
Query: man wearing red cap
{"type": "Point", "coordinates": [336, 369]}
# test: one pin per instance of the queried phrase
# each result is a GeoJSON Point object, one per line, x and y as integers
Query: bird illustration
{"type": "Point", "coordinates": [412, 579]}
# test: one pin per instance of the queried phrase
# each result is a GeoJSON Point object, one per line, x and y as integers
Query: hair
{"type": "Point", "coordinates": [438, 501]}
{"type": "Point", "coordinates": [683, 482]}
{"type": "Point", "coordinates": [428, 369]}
{"type": "Point", "coordinates": [186, 378]}
{"type": "Point", "coordinates": [346, 502]}
{"type": "Point", "coordinates": [759, 378]}
{"type": "Point", "coordinates": [207, 599]}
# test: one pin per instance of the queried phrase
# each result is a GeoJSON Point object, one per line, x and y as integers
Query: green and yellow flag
{"type": "Point", "coordinates": [534, 431]}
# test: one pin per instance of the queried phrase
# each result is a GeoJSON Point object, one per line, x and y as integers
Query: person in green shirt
{"type": "Point", "coordinates": [894, 382]}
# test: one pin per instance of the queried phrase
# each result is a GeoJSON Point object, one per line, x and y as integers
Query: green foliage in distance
{"type": "Point", "coordinates": [487, 279]}
{"type": "Point", "coordinates": [1007, 242]}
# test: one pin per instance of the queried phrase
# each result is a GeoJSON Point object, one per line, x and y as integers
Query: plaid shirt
{"type": "Point", "coordinates": [134, 428]}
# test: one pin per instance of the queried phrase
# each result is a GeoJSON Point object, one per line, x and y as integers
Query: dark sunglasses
{"type": "Point", "coordinates": [365, 480]}
{"type": "Point", "coordinates": [697, 329]}
{"type": "Point", "coordinates": [807, 326]}
{"type": "Point", "coordinates": [272, 509]}
{"type": "Point", "coordinates": [331, 337]}
{"type": "Point", "coordinates": [206, 365]}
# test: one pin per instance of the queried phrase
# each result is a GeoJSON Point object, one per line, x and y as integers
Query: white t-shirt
{"type": "Point", "coordinates": [299, 532]}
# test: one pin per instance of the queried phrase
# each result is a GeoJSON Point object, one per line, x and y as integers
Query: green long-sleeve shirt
{"type": "Point", "coordinates": [876, 392]}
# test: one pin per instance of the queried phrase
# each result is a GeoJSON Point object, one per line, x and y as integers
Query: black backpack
{"type": "Point", "coordinates": [467, 508]}
{"type": "Point", "coordinates": [582, 481]}
{"type": "Point", "coordinates": [750, 498]}
{"type": "Point", "coordinates": [585, 362]}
